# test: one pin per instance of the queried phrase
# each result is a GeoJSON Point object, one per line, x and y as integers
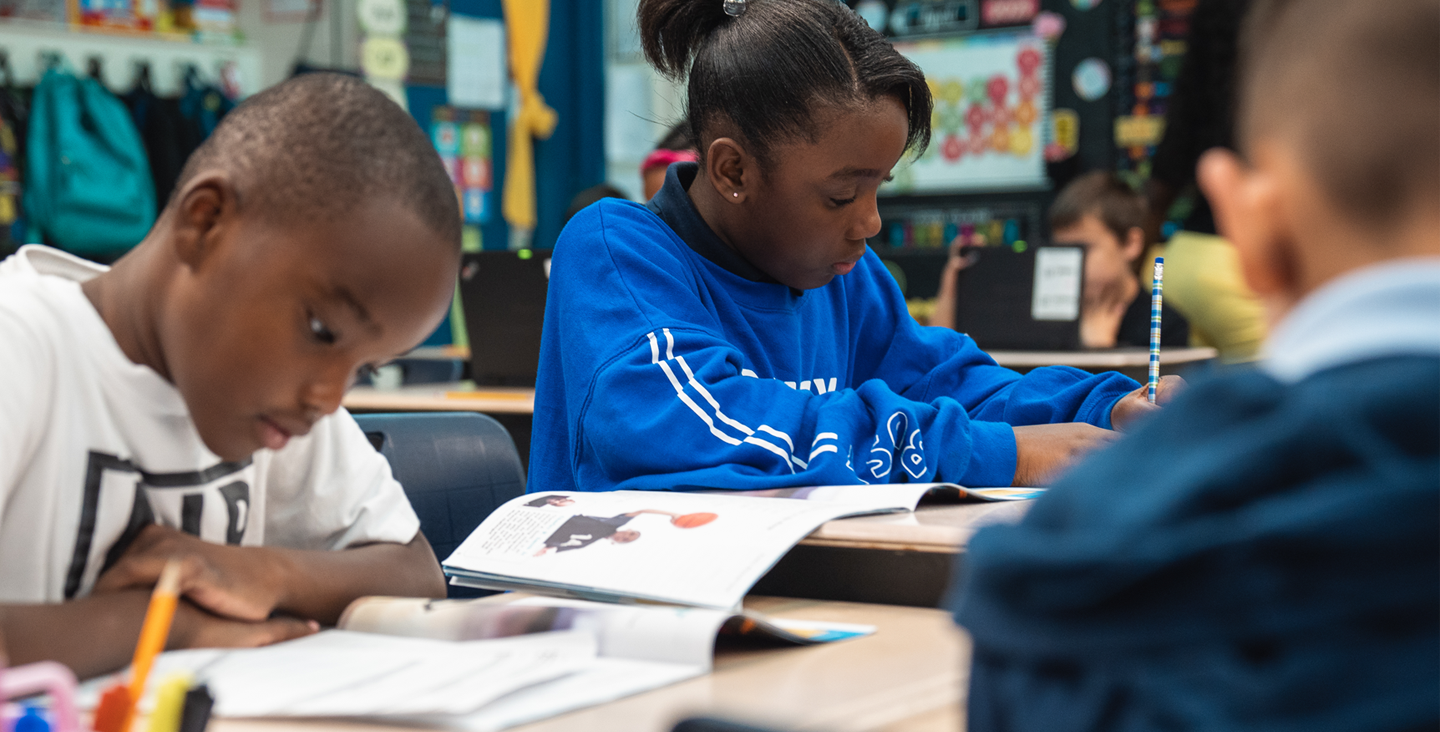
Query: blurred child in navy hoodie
{"type": "Point", "coordinates": [1265, 554]}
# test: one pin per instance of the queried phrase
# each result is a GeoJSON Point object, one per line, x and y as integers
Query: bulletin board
{"type": "Point", "coordinates": [992, 94]}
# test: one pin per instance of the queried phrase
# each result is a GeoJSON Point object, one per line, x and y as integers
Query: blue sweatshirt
{"type": "Point", "coordinates": [661, 368]}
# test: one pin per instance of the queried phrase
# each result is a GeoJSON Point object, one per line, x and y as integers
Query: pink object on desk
{"type": "Point", "coordinates": [46, 677]}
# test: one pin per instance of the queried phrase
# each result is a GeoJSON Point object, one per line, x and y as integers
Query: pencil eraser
{"type": "Point", "coordinates": [114, 708]}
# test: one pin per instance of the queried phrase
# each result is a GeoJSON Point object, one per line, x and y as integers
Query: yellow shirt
{"type": "Point", "coordinates": [1203, 281]}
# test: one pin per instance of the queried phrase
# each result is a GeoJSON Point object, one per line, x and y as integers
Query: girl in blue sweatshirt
{"type": "Point", "coordinates": [736, 332]}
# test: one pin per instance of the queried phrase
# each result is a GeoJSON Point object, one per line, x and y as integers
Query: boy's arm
{"type": "Point", "coordinates": [97, 634]}
{"type": "Point", "coordinates": [337, 526]}
{"type": "Point", "coordinates": [250, 583]}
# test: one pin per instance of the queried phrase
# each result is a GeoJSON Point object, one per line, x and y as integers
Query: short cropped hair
{"type": "Point", "coordinates": [1101, 194]}
{"type": "Point", "coordinates": [1355, 88]}
{"type": "Point", "coordinates": [321, 144]}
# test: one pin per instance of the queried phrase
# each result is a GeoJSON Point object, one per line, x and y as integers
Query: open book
{"type": "Point", "coordinates": [474, 664]}
{"type": "Point", "coordinates": [675, 566]}
{"type": "Point", "coordinates": [695, 549]}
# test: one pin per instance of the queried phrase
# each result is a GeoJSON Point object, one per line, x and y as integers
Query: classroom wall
{"type": "Point", "coordinates": [573, 83]}
{"type": "Point", "coordinates": [335, 43]}
{"type": "Point", "coordinates": [640, 104]}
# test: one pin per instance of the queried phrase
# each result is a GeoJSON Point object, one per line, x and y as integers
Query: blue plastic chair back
{"type": "Point", "coordinates": [456, 468]}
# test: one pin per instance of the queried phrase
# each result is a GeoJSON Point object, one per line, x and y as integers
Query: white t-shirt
{"type": "Point", "coordinates": [93, 447]}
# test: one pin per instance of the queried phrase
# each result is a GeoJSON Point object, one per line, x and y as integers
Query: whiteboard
{"type": "Point", "coordinates": [992, 96]}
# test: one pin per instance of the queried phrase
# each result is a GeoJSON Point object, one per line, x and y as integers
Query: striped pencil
{"type": "Point", "coordinates": [1155, 298]}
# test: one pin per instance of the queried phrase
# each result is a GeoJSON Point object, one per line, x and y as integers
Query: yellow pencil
{"type": "Point", "coordinates": [153, 634]}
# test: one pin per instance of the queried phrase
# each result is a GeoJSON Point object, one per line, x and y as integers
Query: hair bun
{"type": "Point", "coordinates": [671, 31]}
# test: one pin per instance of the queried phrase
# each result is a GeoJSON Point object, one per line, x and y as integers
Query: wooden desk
{"type": "Point", "coordinates": [439, 353]}
{"type": "Point", "coordinates": [909, 676]}
{"type": "Point", "coordinates": [1133, 362]}
{"type": "Point", "coordinates": [943, 529]}
{"type": "Point", "coordinates": [512, 407]}
{"type": "Point", "coordinates": [901, 559]}
{"type": "Point", "coordinates": [451, 397]}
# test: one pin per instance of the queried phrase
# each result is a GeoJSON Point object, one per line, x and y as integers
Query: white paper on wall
{"type": "Point", "coordinates": [476, 72]}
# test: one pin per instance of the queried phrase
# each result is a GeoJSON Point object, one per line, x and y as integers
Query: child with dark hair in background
{"type": "Point", "coordinates": [591, 195]}
{"type": "Point", "coordinates": [1264, 555]}
{"type": "Point", "coordinates": [185, 403]}
{"type": "Point", "coordinates": [677, 146]}
{"type": "Point", "coordinates": [1101, 213]}
{"type": "Point", "coordinates": [737, 333]}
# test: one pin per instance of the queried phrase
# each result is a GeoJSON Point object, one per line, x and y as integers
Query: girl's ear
{"type": "Point", "coordinates": [200, 207]}
{"type": "Point", "coordinates": [726, 165]}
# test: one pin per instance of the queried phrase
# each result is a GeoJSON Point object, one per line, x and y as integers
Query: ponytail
{"type": "Point", "coordinates": [767, 71]}
{"type": "Point", "coordinates": [671, 30]}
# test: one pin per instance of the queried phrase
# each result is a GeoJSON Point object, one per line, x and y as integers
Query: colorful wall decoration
{"type": "Point", "coordinates": [462, 137]}
{"type": "Point", "coordinates": [991, 101]}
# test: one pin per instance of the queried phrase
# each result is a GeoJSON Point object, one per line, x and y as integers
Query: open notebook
{"type": "Point", "coordinates": [472, 665]}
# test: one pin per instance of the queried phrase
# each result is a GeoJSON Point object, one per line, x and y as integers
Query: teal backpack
{"type": "Point", "coordinates": [87, 184]}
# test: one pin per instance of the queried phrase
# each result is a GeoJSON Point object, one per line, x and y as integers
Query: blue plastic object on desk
{"type": "Point", "coordinates": [32, 721]}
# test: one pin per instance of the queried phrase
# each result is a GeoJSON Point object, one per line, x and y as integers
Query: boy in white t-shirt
{"type": "Point", "coordinates": [186, 402]}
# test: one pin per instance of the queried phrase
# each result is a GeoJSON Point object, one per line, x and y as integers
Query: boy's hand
{"type": "Point", "coordinates": [243, 583]}
{"type": "Point", "coordinates": [196, 628]}
{"type": "Point", "coordinates": [1136, 404]}
{"type": "Point", "coordinates": [1044, 450]}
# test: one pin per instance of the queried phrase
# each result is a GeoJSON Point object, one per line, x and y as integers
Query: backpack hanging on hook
{"type": "Point", "coordinates": [88, 183]}
{"type": "Point", "coordinates": [14, 111]}
{"type": "Point", "coordinates": [169, 138]}
{"type": "Point", "coordinates": [203, 103]}
{"type": "Point", "coordinates": [95, 68]}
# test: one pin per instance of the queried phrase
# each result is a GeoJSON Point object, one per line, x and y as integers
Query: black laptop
{"type": "Point", "coordinates": [503, 295]}
{"type": "Point", "coordinates": [1021, 301]}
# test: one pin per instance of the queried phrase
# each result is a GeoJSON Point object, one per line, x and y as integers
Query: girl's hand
{"type": "Point", "coordinates": [1136, 404]}
{"type": "Point", "coordinates": [1043, 451]}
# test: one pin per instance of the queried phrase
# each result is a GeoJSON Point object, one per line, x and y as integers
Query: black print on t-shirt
{"type": "Point", "coordinates": [191, 507]}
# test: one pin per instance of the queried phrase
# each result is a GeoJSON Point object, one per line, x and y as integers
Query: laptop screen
{"type": "Point", "coordinates": [503, 297]}
{"type": "Point", "coordinates": [1030, 300]}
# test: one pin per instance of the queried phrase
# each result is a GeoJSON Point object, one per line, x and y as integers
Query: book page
{"type": "Point", "coordinates": [664, 633]}
{"type": "Point", "coordinates": [862, 497]}
{"type": "Point", "coordinates": [606, 680]}
{"type": "Point", "coordinates": [479, 685]}
{"type": "Point", "coordinates": [695, 549]}
{"type": "Point", "coordinates": [343, 673]}
{"type": "Point", "coordinates": [880, 496]}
